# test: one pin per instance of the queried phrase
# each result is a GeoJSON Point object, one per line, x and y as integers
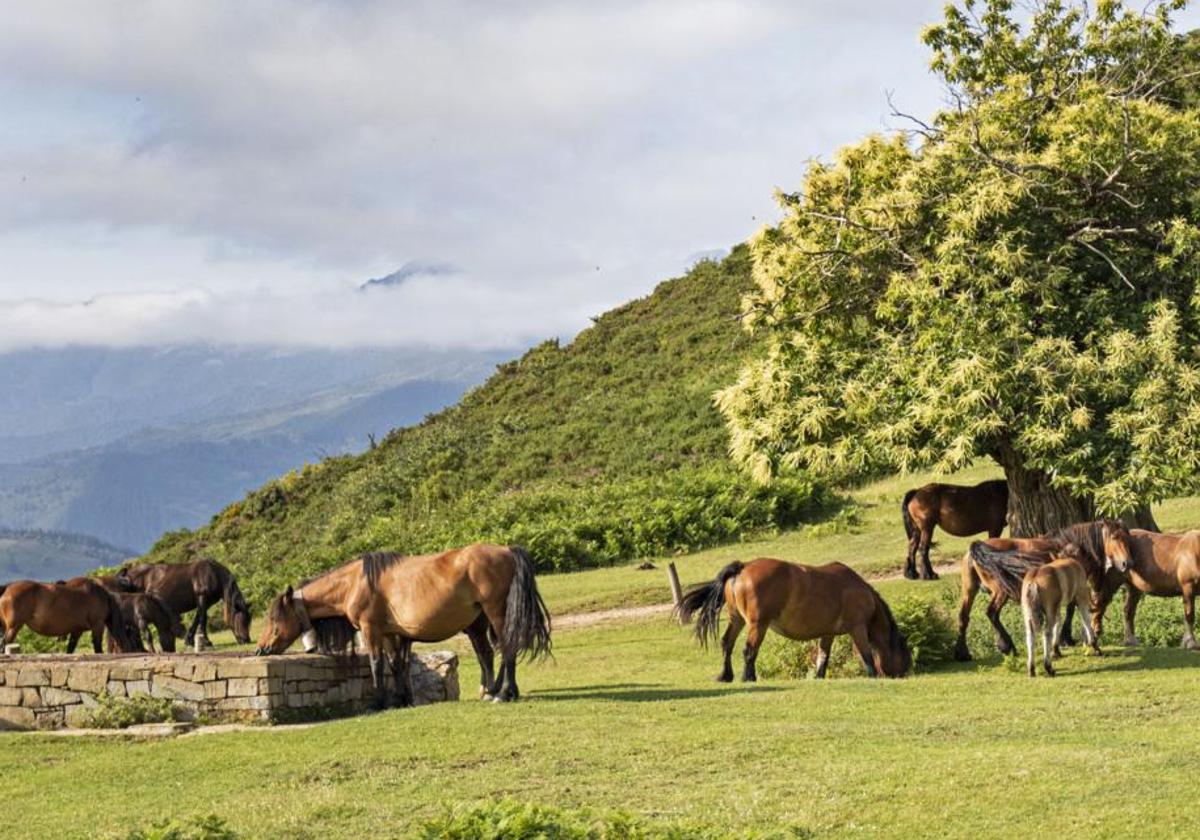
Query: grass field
{"type": "Point", "coordinates": [627, 717]}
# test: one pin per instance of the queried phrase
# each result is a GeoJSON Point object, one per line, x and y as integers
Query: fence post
{"type": "Point", "coordinates": [676, 589]}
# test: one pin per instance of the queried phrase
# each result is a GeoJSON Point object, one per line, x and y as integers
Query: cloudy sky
{"type": "Point", "coordinates": [233, 172]}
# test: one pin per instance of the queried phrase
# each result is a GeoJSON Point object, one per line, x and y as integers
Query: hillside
{"type": "Point", "coordinates": [600, 450]}
{"type": "Point", "coordinates": [49, 555]}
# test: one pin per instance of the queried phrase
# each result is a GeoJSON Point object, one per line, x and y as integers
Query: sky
{"type": "Point", "coordinates": [231, 172]}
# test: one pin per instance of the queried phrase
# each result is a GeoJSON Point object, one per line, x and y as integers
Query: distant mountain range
{"type": "Point", "coordinates": [51, 555]}
{"type": "Point", "coordinates": [124, 444]}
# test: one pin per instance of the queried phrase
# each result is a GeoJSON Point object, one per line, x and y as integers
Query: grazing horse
{"type": "Point", "coordinates": [959, 511]}
{"type": "Point", "coordinates": [141, 612]}
{"type": "Point", "coordinates": [1001, 564]}
{"type": "Point", "coordinates": [1043, 591]}
{"type": "Point", "coordinates": [799, 602]}
{"type": "Point", "coordinates": [184, 587]}
{"type": "Point", "coordinates": [1163, 565]}
{"type": "Point", "coordinates": [486, 591]}
{"type": "Point", "coordinates": [52, 609]}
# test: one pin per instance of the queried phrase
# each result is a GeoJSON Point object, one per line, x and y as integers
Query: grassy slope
{"type": "Point", "coordinates": [972, 750]}
{"type": "Point", "coordinates": [630, 398]}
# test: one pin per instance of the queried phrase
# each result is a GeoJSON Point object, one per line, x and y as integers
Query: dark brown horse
{"type": "Point", "coordinates": [959, 511]}
{"type": "Point", "coordinates": [1000, 565]}
{"type": "Point", "coordinates": [486, 591]}
{"type": "Point", "coordinates": [184, 587]}
{"type": "Point", "coordinates": [799, 602]}
{"type": "Point", "coordinates": [1163, 565]}
{"type": "Point", "coordinates": [52, 609]}
{"type": "Point", "coordinates": [141, 612]}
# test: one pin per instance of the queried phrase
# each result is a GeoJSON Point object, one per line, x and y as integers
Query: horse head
{"type": "Point", "coordinates": [1117, 551]}
{"type": "Point", "coordinates": [284, 625]}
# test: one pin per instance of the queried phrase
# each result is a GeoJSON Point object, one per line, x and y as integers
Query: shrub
{"type": "Point", "coordinates": [508, 820]}
{"type": "Point", "coordinates": [114, 712]}
{"type": "Point", "coordinates": [211, 827]}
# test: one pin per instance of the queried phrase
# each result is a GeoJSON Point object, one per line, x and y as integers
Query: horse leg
{"type": "Point", "coordinates": [401, 658]}
{"type": "Point", "coordinates": [1055, 605]}
{"type": "Point", "coordinates": [72, 642]}
{"type": "Point", "coordinates": [1049, 637]}
{"type": "Point", "coordinates": [506, 684]}
{"type": "Point", "coordinates": [1031, 634]}
{"type": "Point", "coordinates": [1066, 635]}
{"type": "Point", "coordinates": [1102, 596]}
{"type": "Point", "coordinates": [823, 648]}
{"type": "Point", "coordinates": [190, 639]}
{"type": "Point", "coordinates": [1132, 596]}
{"type": "Point", "coordinates": [732, 629]}
{"type": "Point", "coordinates": [1004, 642]}
{"type": "Point", "coordinates": [1189, 616]}
{"type": "Point", "coordinates": [755, 633]}
{"type": "Point", "coordinates": [98, 638]}
{"type": "Point", "coordinates": [202, 613]}
{"type": "Point", "coordinates": [862, 646]}
{"type": "Point", "coordinates": [1085, 622]}
{"type": "Point", "coordinates": [148, 636]}
{"type": "Point", "coordinates": [970, 588]}
{"type": "Point", "coordinates": [910, 558]}
{"type": "Point", "coordinates": [927, 572]}
{"type": "Point", "coordinates": [373, 641]}
{"type": "Point", "coordinates": [478, 634]}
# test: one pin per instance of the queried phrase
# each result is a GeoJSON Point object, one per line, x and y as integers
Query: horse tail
{"type": "Point", "coordinates": [1006, 568]}
{"type": "Point", "coordinates": [909, 527]}
{"type": "Point", "coordinates": [704, 601]}
{"type": "Point", "coordinates": [526, 619]}
{"type": "Point", "coordinates": [892, 637]}
{"type": "Point", "coordinates": [114, 621]}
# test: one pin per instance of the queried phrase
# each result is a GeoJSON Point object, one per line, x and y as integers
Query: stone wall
{"type": "Point", "coordinates": [55, 691]}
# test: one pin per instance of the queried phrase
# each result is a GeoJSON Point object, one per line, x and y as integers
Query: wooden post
{"type": "Point", "coordinates": [676, 589]}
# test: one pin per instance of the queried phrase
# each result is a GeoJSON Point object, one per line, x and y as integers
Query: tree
{"type": "Point", "coordinates": [1016, 278]}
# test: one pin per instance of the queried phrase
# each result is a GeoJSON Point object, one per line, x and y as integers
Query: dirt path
{"type": "Point", "coordinates": [573, 621]}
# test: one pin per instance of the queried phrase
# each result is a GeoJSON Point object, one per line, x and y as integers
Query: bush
{"type": "Point", "coordinates": [508, 820]}
{"type": "Point", "coordinates": [113, 712]}
{"type": "Point", "coordinates": [195, 828]}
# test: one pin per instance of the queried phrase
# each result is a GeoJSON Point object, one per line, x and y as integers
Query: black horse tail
{"type": "Point", "coordinates": [118, 630]}
{"type": "Point", "coordinates": [892, 637]}
{"type": "Point", "coordinates": [909, 527]}
{"type": "Point", "coordinates": [526, 619]}
{"type": "Point", "coordinates": [1006, 568]}
{"type": "Point", "coordinates": [705, 601]}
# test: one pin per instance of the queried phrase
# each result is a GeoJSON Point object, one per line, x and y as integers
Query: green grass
{"type": "Point", "coordinates": [627, 718]}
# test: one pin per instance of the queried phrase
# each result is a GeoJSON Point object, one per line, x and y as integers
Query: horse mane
{"type": "Point", "coordinates": [1088, 537]}
{"type": "Point", "coordinates": [375, 563]}
{"type": "Point", "coordinates": [335, 634]}
{"type": "Point", "coordinates": [896, 640]}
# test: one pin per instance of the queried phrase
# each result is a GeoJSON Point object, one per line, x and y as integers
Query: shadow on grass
{"type": "Point", "coordinates": [641, 692]}
{"type": "Point", "coordinates": [1115, 659]}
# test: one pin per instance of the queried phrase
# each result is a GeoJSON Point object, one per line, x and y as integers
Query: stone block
{"type": "Point", "coordinates": [32, 677]}
{"type": "Point", "coordinates": [58, 676]}
{"type": "Point", "coordinates": [115, 688]}
{"type": "Point", "coordinates": [129, 671]}
{"type": "Point", "coordinates": [175, 688]}
{"type": "Point", "coordinates": [16, 717]}
{"type": "Point", "coordinates": [11, 696]}
{"type": "Point", "coordinates": [215, 690]}
{"type": "Point", "coordinates": [242, 667]}
{"type": "Point", "coordinates": [77, 716]}
{"type": "Point", "coordinates": [60, 697]}
{"type": "Point", "coordinates": [91, 678]}
{"type": "Point", "coordinates": [242, 687]}
{"type": "Point", "coordinates": [31, 698]}
{"type": "Point", "coordinates": [133, 687]}
{"type": "Point", "coordinates": [49, 719]}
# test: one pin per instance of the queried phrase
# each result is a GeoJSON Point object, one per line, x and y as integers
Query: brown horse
{"type": "Point", "coordinates": [141, 613]}
{"type": "Point", "coordinates": [184, 587]}
{"type": "Point", "coordinates": [799, 602]}
{"type": "Point", "coordinates": [1044, 591]}
{"type": "Point", "coordinates": [51, 609]}
{"type": "Point", "coordinates": [486, 591]}
{"type": "Point", "coordinates": [1163, 565]}
{"type": "Point", "coordinates": [1001, 564]}
{"type": "Point", "coordinates": [959, 511]}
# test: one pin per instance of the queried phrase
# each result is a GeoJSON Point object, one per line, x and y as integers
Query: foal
{"type": "Point", "coordinates": [1044, 591]}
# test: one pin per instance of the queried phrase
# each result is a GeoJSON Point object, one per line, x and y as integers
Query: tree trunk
{"type": "Point", "coordinates": [1035, 507]}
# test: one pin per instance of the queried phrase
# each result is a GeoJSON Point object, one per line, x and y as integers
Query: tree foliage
{"type": "Point", "coordinates": [1015, 278]}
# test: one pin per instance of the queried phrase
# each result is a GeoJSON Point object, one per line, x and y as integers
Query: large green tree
{"type": "Point", "coordinates": [1015, 277]}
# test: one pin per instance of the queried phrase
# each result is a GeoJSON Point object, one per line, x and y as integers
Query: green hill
{"type": "Point", "coordinates": [605, 449]}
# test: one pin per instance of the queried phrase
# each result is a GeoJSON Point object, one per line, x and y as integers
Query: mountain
{"type": "Point", "coordinates": [408, 271]}
{"type": "Point", "coordinates": [602, 449]}
{"type": "Point", "coordinates": [51, 555]}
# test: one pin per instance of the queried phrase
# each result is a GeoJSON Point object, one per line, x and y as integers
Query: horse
{"type": "Point", "coordinates": [184, 587]}
{"type": "Point", "coordinates": [1043, 591]}
{"type": "Point", "coordinates": [141, 612]}
{"type": "Point", "coordinates": [960, 511]}
{"type": "Point", "coordinates": [487, 591]}
{"type": "Point", "coordinates": [1000, 565]}
{"type": "Point", "coordinates": [51, 609]}
{"type": "Point", "coordinates": [800, 602]}
{"type": "Point", "coordinates": [1163, 565]}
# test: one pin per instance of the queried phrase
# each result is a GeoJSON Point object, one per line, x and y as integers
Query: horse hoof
{"type": "Point", "coordinates": [1189, 643]}
{"type": "Point", "coordinates": [910, 574]}
{"type": "Point", "coordinates": [930, 575]}
{"type": "Point", "coordinates": [723, 678]}
{"type": "Point", "coordinates": [961, 654]}
{"type": "Point", "coordinates": [1132, 641]}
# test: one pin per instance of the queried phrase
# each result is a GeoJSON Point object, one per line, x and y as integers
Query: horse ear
{"type": "Point", "coordinates": [287, 596]}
